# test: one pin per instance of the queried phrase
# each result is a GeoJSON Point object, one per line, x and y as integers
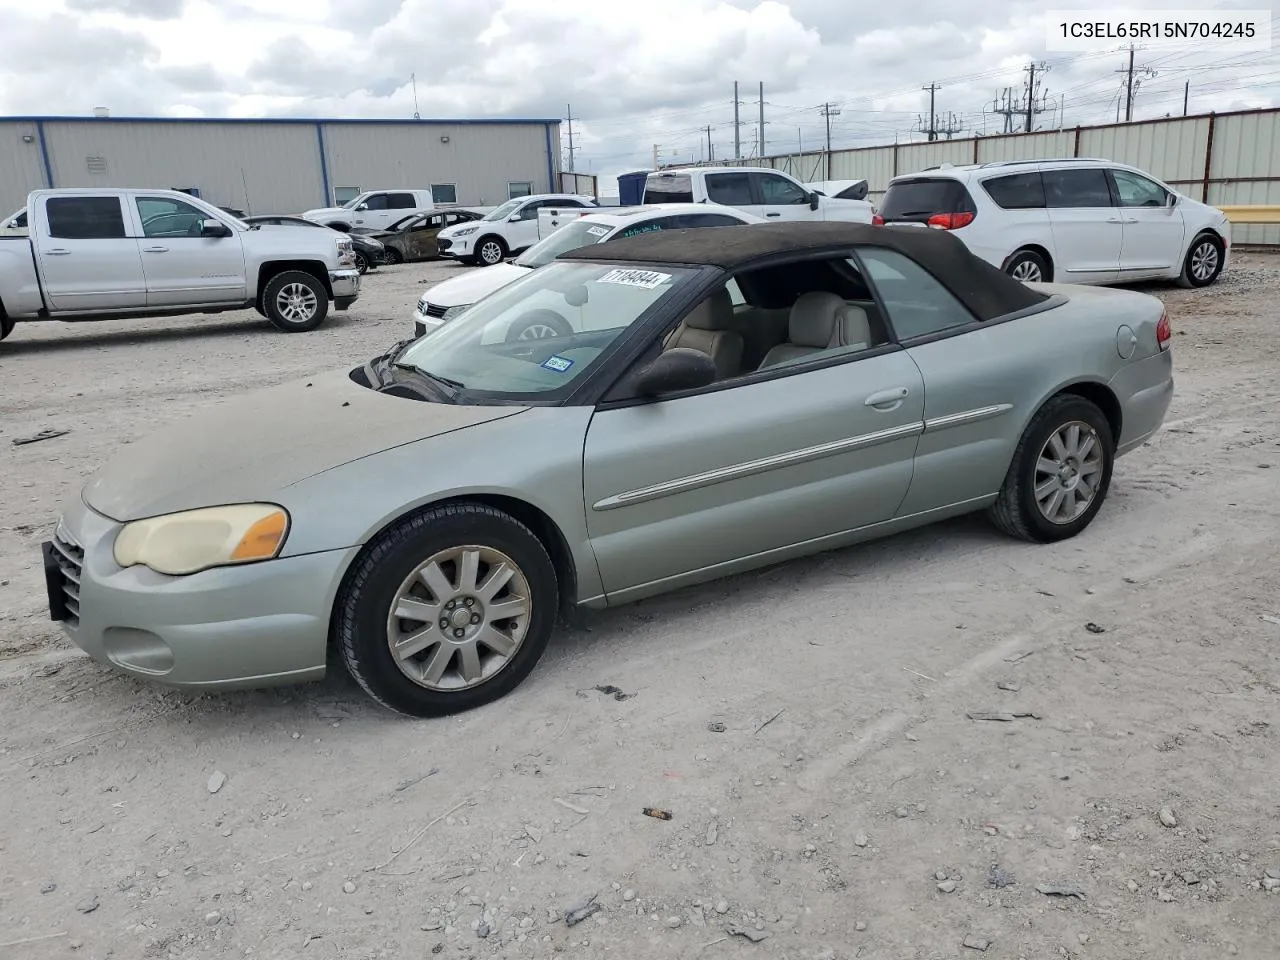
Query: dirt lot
{"type": "Point", "coordinates": [847, 806]}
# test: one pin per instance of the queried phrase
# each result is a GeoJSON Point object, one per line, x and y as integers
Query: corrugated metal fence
{"type": "Point", "coordinates": [1226, 159]}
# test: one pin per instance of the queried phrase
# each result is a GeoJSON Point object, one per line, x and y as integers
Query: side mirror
{"type": "Point", "coordinates": [214, 228]}
{"type": "Point", "coordinates": [675, 370]}
{"type": "Point", "coordinates": [515, 218]}
{"type": "Point", "coordinates": [1173, 200]}
{"type": "Point", "coordinates": [813, 200]}
{"type": "Point", "coordinates": [362, 207]}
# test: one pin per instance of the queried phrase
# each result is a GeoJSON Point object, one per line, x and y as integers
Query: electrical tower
{"type": "Point", "coordinates": [1031, 103]}
{"type": "Point", "coordinates": [931, 130]}
{"type": "Point", "coordinates": [939, 127]}
{"type": "Point", "coordinates": [1133, 79]}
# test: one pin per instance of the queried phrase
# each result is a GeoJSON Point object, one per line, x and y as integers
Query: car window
{"type": "Point", "coordinates": [915, 201]}
{"type": "Point", "coordinates": [735, 292]}
{"type": "Point", "coordinates": [776, 190]}
{"type": "Point", "coordinates": [540, 334]}
{"type": "Point", "coordinates": [668, 188]}
{"type": "Point", "coordinates": [1018, 191]}
{"type": "Point", "coordinates": [1076, 188]}
{"type": "Point", "coordinates": [85, 218]}
{"type": "Point", "coordinates": [530, 210]}
{"type": "Point", "coordinates": [574, 234]}
{"type": "Point", "coordinates": [376, 201]}
{"type": "Point", "coordinates": [687, 220]}
{"type": "Point", "coordinates": [730, 189]}
{"type": "Point", "coordinates": [916, 303]}
{"type": "Point", "coordinates": [400, 201]}
{"type": "Point", "coordinates": [166, 217]}
{"type": "Point", "coordinates": [1137, 191]}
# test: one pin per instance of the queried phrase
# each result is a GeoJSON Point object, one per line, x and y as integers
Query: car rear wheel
{"type": "Point", "coordinates": [362, 262]}
{"type": "Point", "coordinates": [1029, 267]}
{"type": "Point", "coordinates": [1060, 473]}
{"type": "Point", "coordinates": [1203, 262]}
{"type": "Point", "coordinates": [392, 256]}
{"type": "Point", "coordinates": [490, 251]}
{"type": "Point", "coordinates": [538, 325]}
{"type": "Point", "coordinates": [295, 301]}
{"type": "Point", "coordinates": [447, 610]}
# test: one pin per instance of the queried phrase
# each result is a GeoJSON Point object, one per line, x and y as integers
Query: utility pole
{"type": "Point", "coordinates": [829, 110]}
{"type": "Point", "coordinates": [932, 130]}
{"type": "Point", "coordinates": [710, 153]}
{"type": "Point", "coordinates": [1132, 82]}
{"type": "Point", "coordinates": [1186, 95]}
{"type": "Point", "coordinates": [1033, 90]}
{"type": "Point", "coordinates": [761, 154]}
{"type": "Point", "coordinates": [737, 125]}
{"type": "Point", "coordinates": [413, 79]}
{"type": "Point", "coordinates": [655, 156]}
{"type": "Point", "coordinates": [569, 113]}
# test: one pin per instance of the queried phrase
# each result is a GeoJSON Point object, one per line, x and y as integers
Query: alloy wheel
{"type": "Point", "coordinates": [1204, 261]}
{"type": "Point", "coordinates": [296, 302]}
{"type": "Point", "coordinates": [490, 252]}
{"type": "Point", "coordinates": [1028, 271]}
{"type": "Point", "coordinates": [1068, 471]}
{"type": "Point", "coordinates": [537, 331]}
{"type": "Point", "coordinates": [459, 618]}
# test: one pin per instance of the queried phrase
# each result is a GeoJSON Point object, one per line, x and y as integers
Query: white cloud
{"type": "Point", "coordinates": [637, 72]}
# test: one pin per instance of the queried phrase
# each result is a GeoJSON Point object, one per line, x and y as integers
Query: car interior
{"type": "Point", "coordinates": [783, 315]}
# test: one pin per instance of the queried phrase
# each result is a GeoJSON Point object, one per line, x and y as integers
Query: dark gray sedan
{"type": "Point", "coordinates": [715, 400]}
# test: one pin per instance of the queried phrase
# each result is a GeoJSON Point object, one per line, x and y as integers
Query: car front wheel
{"type": "Point", "coordinates": [295, 301]}
{"type": "Point", "coordinates": [491, 251]}
{"type": "Point", "coordinates": [447, 610]}
{"type": "Point", "coordinates": [1203, 262]}
{"type": "Point", "coordinates": [362, 262]}
{"type": "Point", "coordinates": [1060, 473]}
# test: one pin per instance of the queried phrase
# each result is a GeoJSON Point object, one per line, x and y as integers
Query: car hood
{"type": "Point", "coordinates": [326, 212]}
{"type": "Point", "coordinates": [474, 284]}
{"type": "Point", "coordinates": [246, 449]}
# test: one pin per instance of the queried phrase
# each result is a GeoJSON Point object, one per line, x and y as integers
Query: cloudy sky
{"type": "Point", "coordinates": [636, 72]}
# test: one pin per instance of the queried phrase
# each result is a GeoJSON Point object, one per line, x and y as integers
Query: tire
{"type": "Point", "coordinates": [392, 257]}
{"type": "Point", "coordinates": [362, 262]}
{"type": "Point", "coordinates": [490, 250]}
{"type": "Point", "coordinates": [1029, 267]}
{"type": "Point", "coordinates": [1017, 510]}
{"type": "Point", "coordinates": [304, 291]}
{"type": "Point", "coordinates": [6, 325]}
{"type": "Point", "coordinates": [390, 576]}
{"type": "Point", "coordinates": [538, 325]}
{"type": "Point", "coordinates": [1203, 263]}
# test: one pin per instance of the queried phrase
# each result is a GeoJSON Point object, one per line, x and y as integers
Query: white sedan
{"type": "Point", "coordinates": [446, 300]}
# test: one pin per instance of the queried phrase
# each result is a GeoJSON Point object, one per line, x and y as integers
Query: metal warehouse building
{"type": "Point", "coordinates": [280, 165]}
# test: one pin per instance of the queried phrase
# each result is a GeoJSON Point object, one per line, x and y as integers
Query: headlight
{"type": "Point", "coordinates": [454, 311]}
{"type": "Point", "coordinates": [195, 540]}
{"type": "Point", "coordinates": [464, 232]}
{"type": "Point", "coordinates": [346, 252]}
{"type": "Point", "coordinates": [376, 244]}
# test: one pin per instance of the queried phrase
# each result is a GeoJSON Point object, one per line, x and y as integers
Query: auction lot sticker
{"type": "Point", "coordinates": [1233, 31]}
{"type": "Point", "coordinates": [647, 279]}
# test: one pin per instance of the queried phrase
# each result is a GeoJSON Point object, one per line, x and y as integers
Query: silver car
{"type": "Point", "coordinates": [721, 400]}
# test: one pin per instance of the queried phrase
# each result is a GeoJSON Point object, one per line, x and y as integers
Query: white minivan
{"type": "Point", "coordinates": [760, 191]}
{"type": "Point", "coordinates": [1070, 221]}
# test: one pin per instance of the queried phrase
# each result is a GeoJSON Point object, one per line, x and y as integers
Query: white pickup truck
{"type": "Point", "coordinates": [761, 191]}
{"type": "Point", "coordinates": [104, 254]}
{"type": "Point", "coordinates": [374, 209]}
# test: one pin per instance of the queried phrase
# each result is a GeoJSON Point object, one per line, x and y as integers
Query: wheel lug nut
{"type": "Point", "coordinates": [475, 618]}
{"type": "Point", "coordinates": [458, 634]}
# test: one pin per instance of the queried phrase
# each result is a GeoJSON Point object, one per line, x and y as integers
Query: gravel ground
{"type": "Point", "coordinates": [808, 727]}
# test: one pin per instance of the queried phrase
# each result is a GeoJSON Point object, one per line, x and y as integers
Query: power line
{"type": "Point", "coordinates": [1131, 87]}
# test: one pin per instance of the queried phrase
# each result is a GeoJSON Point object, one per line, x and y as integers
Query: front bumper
{"type": "Point", "coordinates": [454, 248]}
{"type": "Point", "coordinates": [346, 286]}
{"type": "Point", "coordinates": [261, 624]}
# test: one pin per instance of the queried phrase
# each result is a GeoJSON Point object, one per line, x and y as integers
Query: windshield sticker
{"type": "Point", "coordinates": [646, 279]}
{"type": "Point", "coordinates": [558, 364]}
{"type": "Point", "coordinates": [643, 228]}
{"type": "Point", "coordinates": [597, 231]}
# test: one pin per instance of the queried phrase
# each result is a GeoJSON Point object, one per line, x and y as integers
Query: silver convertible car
{"type": "Point", "coordinates": [723, 399]}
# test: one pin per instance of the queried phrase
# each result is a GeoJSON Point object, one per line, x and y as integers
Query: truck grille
{"type": "Point", "coordinates": [433, 310]}
{"type": "Point", "coordinates": [70, 557]}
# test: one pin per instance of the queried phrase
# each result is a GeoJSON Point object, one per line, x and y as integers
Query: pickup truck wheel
{"type": "Point", "coordinates": [6, 326]}
{"type": "Point", "coordinates": [295, 301]}
{"type": "Point", "coordinates": [490, 251]}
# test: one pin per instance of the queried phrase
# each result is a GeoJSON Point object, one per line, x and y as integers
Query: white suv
{"type": "Point", "coordinates": [1073, 221]}
{"type": "Point", "coordinates": [510, 228]}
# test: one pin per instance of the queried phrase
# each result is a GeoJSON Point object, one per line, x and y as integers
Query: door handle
{"type": "Point", "coordinates": [773, 214]}
{"type": "Point", "coordinates": [888, 399]}
{"type": "Point", "coordinates": [58, 252]}
{"type": "Point", "coordinates": [155, 249]}
{"type": "Point", "coordinates": [1114, 220]}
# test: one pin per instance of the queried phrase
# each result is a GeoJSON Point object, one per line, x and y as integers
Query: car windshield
{"type": "Point", "coordinates": [504, 211]}
{"type": "Point", "coordinates": [534, 338]}
{"type": "Point", "coordinates": [579, 233]}
{"type": "Point", "coordinates": [355, 202]}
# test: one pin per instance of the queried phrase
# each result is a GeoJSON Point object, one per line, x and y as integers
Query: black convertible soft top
{"type": "Point", "coordinates": [986, 290]}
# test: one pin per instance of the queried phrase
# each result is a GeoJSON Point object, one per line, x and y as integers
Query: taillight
{"type": "Point", "coordinates": [877, 220]}
{"type": "Point", "coordinates": [950, 221]}
{"type": "Point", "coordinates": [1164, 332]}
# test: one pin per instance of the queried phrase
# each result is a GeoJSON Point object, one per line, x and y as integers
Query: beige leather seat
{"type": "Point", "coordinates": [820, 321]}
{"type": "Point", "coordinates": [711, 329]}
